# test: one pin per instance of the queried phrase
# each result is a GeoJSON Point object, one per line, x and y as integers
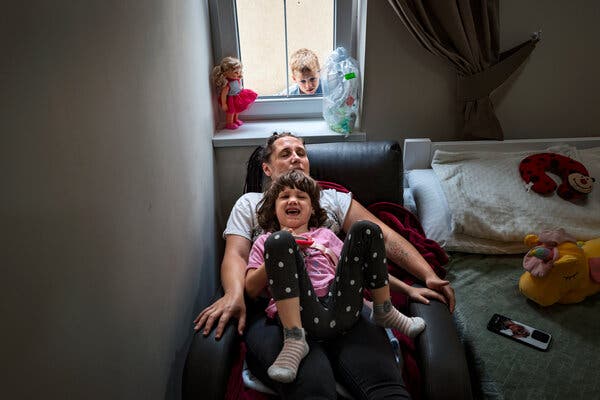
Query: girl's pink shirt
{"type": "Point", "coordinates": [321, 270]}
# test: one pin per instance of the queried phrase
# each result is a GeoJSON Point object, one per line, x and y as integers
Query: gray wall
{"type": "Point", "coordinates": [107, 203]}
{"type": "Point", "coordinates": [410, 92]}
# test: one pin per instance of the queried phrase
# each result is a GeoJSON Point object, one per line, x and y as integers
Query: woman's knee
{"type": "Point", "coordinates": [315, 379]}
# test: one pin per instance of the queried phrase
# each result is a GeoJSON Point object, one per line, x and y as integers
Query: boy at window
{"type": "Point", "coordinates": [305, 72]}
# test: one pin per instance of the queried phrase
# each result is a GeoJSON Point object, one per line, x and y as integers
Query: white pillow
{"type": "Point", "coordinates": [488, 199]}
{"type": "Point", "coordinates": [435, 217]}
{"type": "Point", "coordinates": [409, 200]}
{"type": "Point", "coordinates": [431, 205]}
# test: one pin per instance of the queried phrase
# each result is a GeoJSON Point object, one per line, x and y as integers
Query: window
{"type": "Point", "coordinates": [270, 31]}
{"type": "Point", "coordinates": [264, 34]}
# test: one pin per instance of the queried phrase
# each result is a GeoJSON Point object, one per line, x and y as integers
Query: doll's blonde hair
{"type": "Point", "coordinates": [218, 73]}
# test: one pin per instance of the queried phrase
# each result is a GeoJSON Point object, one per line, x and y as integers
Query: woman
{"type": "Point", "coordinates": [377, 373]}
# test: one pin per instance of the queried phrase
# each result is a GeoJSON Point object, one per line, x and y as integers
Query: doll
{"type": "Point", "coordinates": [233, 98]}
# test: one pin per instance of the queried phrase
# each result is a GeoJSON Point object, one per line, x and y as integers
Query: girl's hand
{"type": "Point", "coordinates": [224, 107]}
{"type": "Point", "coordinates": [301, 240]}
{"type": "Point", "coordinates": [422, 295]}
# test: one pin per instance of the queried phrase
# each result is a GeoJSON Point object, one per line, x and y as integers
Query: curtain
{"type": "Point", "coordinates": [465, 34]}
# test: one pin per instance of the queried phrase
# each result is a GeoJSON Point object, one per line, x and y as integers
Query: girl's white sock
{"type": "Point", "coordinates": [387, 316]}
{"type": "Point", "coordinates": [295, 348]}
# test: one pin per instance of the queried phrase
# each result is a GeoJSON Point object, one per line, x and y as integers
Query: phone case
{"type": "Point", "coordinates": [519, 332]}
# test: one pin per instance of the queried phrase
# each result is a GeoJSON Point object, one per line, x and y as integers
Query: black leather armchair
{"type": "Point", "coordinates": [373, 172]}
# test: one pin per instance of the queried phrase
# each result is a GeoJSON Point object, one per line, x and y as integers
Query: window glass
{"type": "Point", "coordinates": [269, 31]}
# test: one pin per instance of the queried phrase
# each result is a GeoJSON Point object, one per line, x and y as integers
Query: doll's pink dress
{"type": "Point", "coordinates": [238, 98]}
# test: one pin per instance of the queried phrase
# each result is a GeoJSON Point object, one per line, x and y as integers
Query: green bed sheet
{"type": "Point", "coordinates": [504, 369]}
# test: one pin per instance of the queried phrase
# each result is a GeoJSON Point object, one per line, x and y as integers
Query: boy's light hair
{"type": "Point", "coordinates": [304, 60]}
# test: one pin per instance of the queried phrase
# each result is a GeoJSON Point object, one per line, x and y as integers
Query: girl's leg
{"type": "Point", "coordinates": [282, 263]}
{"type": "Point", "coordinates": [346, 290]}
{"type": "Point", "coordinates": [369, 247]}
{"type": "Point", "coordinates": [387, 316]}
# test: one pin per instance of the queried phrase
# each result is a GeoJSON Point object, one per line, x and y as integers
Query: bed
{"type": "Point", "coordinates": [470, 198]}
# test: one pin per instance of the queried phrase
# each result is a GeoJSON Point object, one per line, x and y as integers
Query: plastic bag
{"type": "Point", "coordinates": [341, 83]}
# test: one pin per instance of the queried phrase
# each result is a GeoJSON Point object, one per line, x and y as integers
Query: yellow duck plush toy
{"type": "Point", "coordinates": [560, 269]}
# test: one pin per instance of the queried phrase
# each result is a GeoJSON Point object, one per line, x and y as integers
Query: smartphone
{"type": "Point", "coordinates": [520, 332]}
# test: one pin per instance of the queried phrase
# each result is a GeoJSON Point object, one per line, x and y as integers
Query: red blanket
{"type": "Point", "coordinates": [406, 224]}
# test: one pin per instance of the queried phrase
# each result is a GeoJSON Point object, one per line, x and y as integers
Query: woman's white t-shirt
{"type": "Point", "coordinates": [243, 222]}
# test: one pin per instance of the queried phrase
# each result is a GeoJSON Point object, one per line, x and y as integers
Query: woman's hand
{"type": "Point", "coordinates": [222, 310]}
{"type": "Point", "coordinates": [442, 286]}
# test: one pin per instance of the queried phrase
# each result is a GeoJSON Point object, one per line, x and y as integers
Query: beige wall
{"type": "Point", "coordinates": [558, 93]}
{"type": "Point", "coordinates": [108, 197]}
{"type": "Point", "coordinates": [410, 93]}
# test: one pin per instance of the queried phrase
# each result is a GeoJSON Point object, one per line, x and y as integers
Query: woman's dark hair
{"type": "Point", "coordinates": [296, 180]}
{"type": "Point", "coordinates": [254, 172]}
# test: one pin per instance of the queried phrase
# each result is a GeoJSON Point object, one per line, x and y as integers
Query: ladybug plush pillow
{"type": "Point", "coordinates": [576, 182]}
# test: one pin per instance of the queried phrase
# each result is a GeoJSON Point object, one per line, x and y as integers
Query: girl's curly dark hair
{"type": "Point", "coordinates": [296, 180]}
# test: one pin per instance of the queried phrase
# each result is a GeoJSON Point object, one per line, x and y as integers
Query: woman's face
{"type": "Point", "coordinates": [293, 209]}
{"type": "Point", "coordinates": [288, 154]}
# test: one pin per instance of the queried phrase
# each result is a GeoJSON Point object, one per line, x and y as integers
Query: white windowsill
{"type": "Point", "coordinates": [254, 133]}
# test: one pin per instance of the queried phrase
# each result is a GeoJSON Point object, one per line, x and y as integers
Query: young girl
{"type": "Point", "coordinates": [316, 281]}
{"type": "Point", "coordinates": [233, 98]}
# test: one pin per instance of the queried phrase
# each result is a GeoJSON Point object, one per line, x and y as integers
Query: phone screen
{"type": "Point", "coordinates": [519, 331]}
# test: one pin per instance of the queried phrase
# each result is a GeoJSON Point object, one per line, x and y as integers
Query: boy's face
{"type": "Point", "coordinates": [308, 82]}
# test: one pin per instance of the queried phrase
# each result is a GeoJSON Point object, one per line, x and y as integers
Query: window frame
{"type": "Point", "coordinates": [226, 43]}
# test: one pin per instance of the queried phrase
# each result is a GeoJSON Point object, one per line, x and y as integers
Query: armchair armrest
{"type": "Point", "coordinates": [442, 355]}
{"type": "Point", "coordinates": [209, 363]}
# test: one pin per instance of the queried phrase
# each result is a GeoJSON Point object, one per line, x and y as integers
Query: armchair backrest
{"type": "Point", "coordinates": [372, 171]}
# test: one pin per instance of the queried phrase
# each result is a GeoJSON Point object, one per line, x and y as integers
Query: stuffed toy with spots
{"type": "Point", "coordinates": [560, 269]}
{"type": "Point", "coordinates": [576, 182]}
